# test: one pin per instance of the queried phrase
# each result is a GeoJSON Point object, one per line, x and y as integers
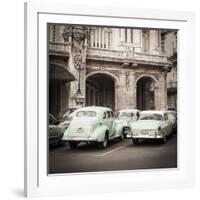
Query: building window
{"type": "Point", "coordinates": [125, 35]}
{"type": "Point", "coordinates": [131, 35]}
{"type": "Point", "coordinates": [145, 40]}
{"type": "Point", "coordinates": [54, 33]}
{"type": "Point", "coordinates": [100, 38]}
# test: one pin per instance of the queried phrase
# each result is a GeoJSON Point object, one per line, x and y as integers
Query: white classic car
{"type": "Point", "coordinates": [92, 124]}
{"type": "Point", "coordinates": [151, 125]}
{"type": "Point", "coordinates": [125, 117]}
{"type": "Point", "coordinates": [172, 115]}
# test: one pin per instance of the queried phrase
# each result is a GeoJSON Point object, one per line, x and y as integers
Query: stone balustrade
{"type": "Point", "coordinates": [60, 48]}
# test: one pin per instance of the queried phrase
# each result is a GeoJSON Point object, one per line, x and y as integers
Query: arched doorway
{"type": "Point", "coordinates": [100, 91]}
{"type": "Point", "coordinates": [146, 93]}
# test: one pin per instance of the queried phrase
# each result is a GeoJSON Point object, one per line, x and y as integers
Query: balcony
{"type": "Point", "coordinates": [62, 49]}
{"type": "Point", "coordinates": [127, 56]}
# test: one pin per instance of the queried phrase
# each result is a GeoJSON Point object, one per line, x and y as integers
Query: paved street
{"type": "Point", "coordinates": [117, 156]}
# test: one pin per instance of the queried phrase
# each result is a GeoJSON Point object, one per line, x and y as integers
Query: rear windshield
{"type": "Point", "coordinates": [126, 114]}
{"type": "Point", "coordinates": [86, 114]}
{"type": "Point", "coordinates": [151, 117]}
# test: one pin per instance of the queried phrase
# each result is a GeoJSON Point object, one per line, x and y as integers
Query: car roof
{"type": "Point", "coordinates": [152, 112]}
{"type": "Point", "coordinates": [170, 111]}
{"type": "Point", "coordinates": [129, 110]}
{"type": "Point", "coordinates": [94, 108]}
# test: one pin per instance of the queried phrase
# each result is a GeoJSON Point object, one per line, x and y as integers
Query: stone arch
{"type": "Point", "coordinates": [147, 97]}
{"type": "Point", "coordinates": [100, 89]}
{"type": "Point", "coordinates": [147, 76]}
{"type": "Point", "coordinates": [115, 78]}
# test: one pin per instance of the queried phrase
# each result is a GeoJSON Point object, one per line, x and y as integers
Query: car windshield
{"type": "Point", "coordinates": [86, 114]}
{"type": "Point", "coordinates": [126, 114]}
{"type": "Point", "coordinates": [151, 117]}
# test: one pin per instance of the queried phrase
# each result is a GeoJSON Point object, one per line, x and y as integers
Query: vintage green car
{"type": "Point", "coordinates": [151, 125]}
{"type": "Point", "coordinates": [93, 124]}
{"type": "Point", "coordinates": [127, 116]}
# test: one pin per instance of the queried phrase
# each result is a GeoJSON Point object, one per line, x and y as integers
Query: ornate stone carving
{"type": "Point", "coordinates": [78, 61]}
{"type": "Point", "coordinates": [67, 33]}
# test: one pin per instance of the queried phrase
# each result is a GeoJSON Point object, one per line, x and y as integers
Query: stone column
{"type": "Point", "coordinates": [77, 36]}
{"type": "Point", "coordinates": [106, 37]}
{"type": "Point", "coordinates": [92, 37]}
{"type": "Point", "coordinates": [122, 33]}
{"type": "Point", "coordinates": [153, 42]}
{"type": "Point", "coordinates": [129, 35]}
{"type": "Point", "coordinates": [120, 93]}
{"type": "Point", "coordinates": [137, 40]}
{"type": "Point", "coordinates": [99, 38]}
{"type": "Point", "coordinates": [134, 91]}
{"type": "Point", "coordinates": [163, 90]}
{"type": "Point", "coordinates": [157, 98]}
{"type": "Point", "coordinates": [96, 39]}
{"type": "Point", "coordinates": [131, 91]}
{"type": "Point", "coordinates": [102, 38]}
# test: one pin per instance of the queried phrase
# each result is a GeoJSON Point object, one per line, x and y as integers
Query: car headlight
{"type": "Point", "coordinates": [159, 131]}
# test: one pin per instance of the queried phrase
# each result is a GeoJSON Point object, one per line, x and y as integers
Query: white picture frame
{"type": "Point", "coordinates": [37, 182]}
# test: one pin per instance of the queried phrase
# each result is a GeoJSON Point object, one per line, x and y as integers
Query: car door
{"type": "Point", "coordinates": [112, 132]}
{"type": "Point", "coordinates": [168, 124]}
{"type": "Point", "coordinates": [164, 126]}
{"type": "Point", "coordinates": [108, 122]}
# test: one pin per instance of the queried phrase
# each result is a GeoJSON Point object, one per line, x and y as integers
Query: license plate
{"type": "Point", "coordinates": [144, 132]}
{"type": "Point", "coordinates": [79, 130]}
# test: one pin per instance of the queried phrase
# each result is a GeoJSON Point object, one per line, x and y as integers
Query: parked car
{"type": "Point", "coordinates": [125, 117]}
{"type": "Point", "coordinates": [57, 128]}
{"type": "Point", "coordinates": [151, 125]}
{"type": "Point", "coordinates": [93, 124]}
{"type": "Point", "coordinates": [172, 115]}
{"type": "Point", "coordinates": [64, 115]}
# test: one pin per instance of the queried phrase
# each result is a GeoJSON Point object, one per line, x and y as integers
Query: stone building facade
{"type": "Point", "coordinates": [116, 67]}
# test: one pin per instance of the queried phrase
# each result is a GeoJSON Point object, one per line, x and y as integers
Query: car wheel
{"type": "Point", "coordinates": [122, 137]}
{"type": "Point", "coordinates": [164, 139]}
{"type": "Point", "coordinates": [73, 145]}
{"type": "Point", "coordinates": [61, 143]}
{"type": "Point", "coordinates": [104, 144]}
{"type": "Point", "coordinates": [135, 141]}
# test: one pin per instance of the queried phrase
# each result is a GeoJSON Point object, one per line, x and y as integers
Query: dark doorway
{"type": "Point", "coordinates": [100, 91]}
{"type": "Point", "coordinates": [145, 94]}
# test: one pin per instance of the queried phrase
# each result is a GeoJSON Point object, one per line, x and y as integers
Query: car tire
{"type": "Point", "coordinates": [61, 143]}
{"type": "Point", "coordinates": [164, 139]}
{"type": "Point", "coordinates": [104, 144]}
{"type": "Point", "coordinates": [122, 137]}
{"type": "Point", "coordinates": [73, 145]}
{"type": "Point", "coordinates": [135, 141]}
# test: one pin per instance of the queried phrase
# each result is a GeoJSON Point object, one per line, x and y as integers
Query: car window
{"type": "Point", "coordinates": [111, 114]}
{"type": "Point", "coordinates": [151, 117]}
{"type": "Point", "coordinates": [86, 114]}
{"type": "Point", "coordinates": [104, 115]}
{"type": "Point", "coordinates": [166, 117]}
{"type": "Point", "coordinates": [171, 116]}
{"type": "Point", "coordinates": [108, 115]}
